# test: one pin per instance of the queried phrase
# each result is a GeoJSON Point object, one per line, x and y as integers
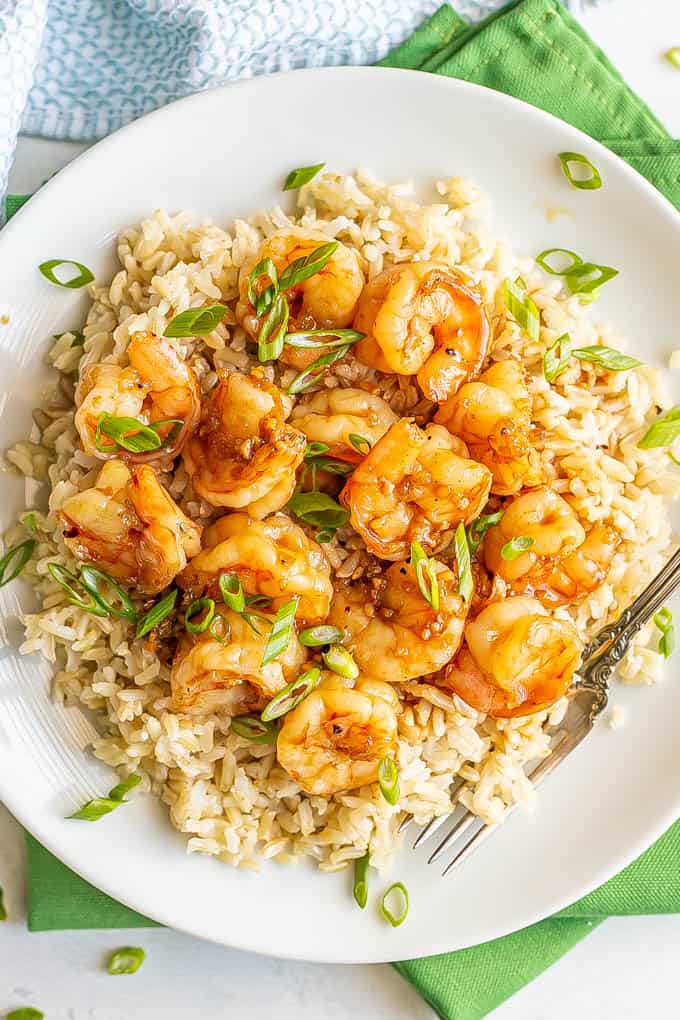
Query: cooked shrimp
{"type": "Point", "coordinates": [516, 659]}
{"type": "Point", "coordinates": [392, 631]}
{"type": "Point", "coordinates": [335, 738]}
{"type": "Point", "coordinates": [415, 484]}
{"type": "Point", "coordinates": [156, 386]}
{"type": "Point", "coordinates": [493, 416]}
{"type": "Point", "coordinates": [130, 526]}
{"type": "Point", "coordinates": [244, 454]}
{"type": "Point", "coordinates": [210, 676]}
{"type": "Point", "coordinates": [424, 319]}
{"type": "Point", "coordinates": [332, 416]}
{"type": "Point", "coordinates": [273, 558]}
{"type": "Point", "coordinates": [586, 568]}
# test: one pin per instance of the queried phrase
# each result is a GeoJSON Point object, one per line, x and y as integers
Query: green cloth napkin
{"type": "Point", "coordinates": [534, 50]}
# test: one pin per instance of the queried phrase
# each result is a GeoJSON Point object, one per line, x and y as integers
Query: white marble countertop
{"type": "Point", "coordinates": [626, 969]}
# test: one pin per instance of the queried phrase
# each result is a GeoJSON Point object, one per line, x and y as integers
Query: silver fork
{"type": "Point", "coordinates": [587, 699]}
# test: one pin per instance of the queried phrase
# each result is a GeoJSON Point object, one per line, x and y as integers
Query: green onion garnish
{"type": "Point", "coordinates": [25, 1013]}
{"type": "Point", "coordinates": [542, 261]}
{"type": "Point", "coordinates": [198, 606]}
{"type": "Point", "coordinates": [220, 628]}
{"type": "Point", "coordinates": [426, 575]}
{"type": "Point", "coordinates": [556, 358]}
{"type": "Point", "coordinates": [301, 269]}
{"type": "Point", "coordinates": [301, 175]}
{"type": "Point", "coordinates": [588, 277]}
{"type": "Point", "coordinates": [262, 302]}
{"type": "Point", "coordinates": [664, 431]}
{"type": "Point", "coordinates": [127, 960]}
{"type": "Point", "coordinates": [361, 879]}
{"type": "Point", "coordinates": [156, 614]}
{"type": "Point", "coordinates": [360, 443]}
{"type": "Point", "coordinates": [312, 338]}
{"type": "Point", "coordinates": [318, 509]}
{"type": "Point", "coordinates": [129, 433]}
{"type": "Point", "coordinates": [339, 660]}
{"type": "Point", "coordinates": [195, 321]}
{"type": "Point", "coordinates": [83, 277]}
{"type": "Point", "coordinates": [478, 529]}
{"type": "Point", "coordinates": [515, 547]}
{"type": "Point", "coordinates": [673, 56]}
{"type": "Point", "coordinates": [388, 780]}
{"type": "Point", "coordinates": [3, 910]}
{"type": "Point", "coordinates": [70, 582]}
{"type": "Point", "coordinates": [610, 359]}
{"type": "Point", "coordinates": [19, 555]}
{"type": "Point", "coordinates": [315, 450]}
{"type": "Point", "coordinates": [232, 593]}
{"type": "Point", "coordinates": [252, 728]}
{"type": "Point", "coordinates": [664, 621]}
{"type": "Point", "coordinates": [589, 183]}
{"type": "Point", "coordinates": [273, 330]}
{"type": "Point", "coordinates": [78, 337]}
{"type": "Point", "coordinates": [397, 890]}
{"type": "Point", "coordinates": [281, 631]}
{"type": "Point", "coordinates": [311, 375]}
{"type": "Point", "coordinates": [522, 308]}
{"type": "Point", "coordinates": [465, 583]}
{"type": "Point", "coordinates": [322, 634]}
{"type": "Point", "coordinates": [92, 581]}
{"type": "Point", "coordinates": [100, 806]}
{"type": "Point", "coordinates": [291, 695]}
{"type": "Point", "coordinates": [30, 522]}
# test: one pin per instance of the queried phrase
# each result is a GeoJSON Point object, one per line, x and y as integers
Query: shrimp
{"type": "Point", "coordinates": [129, 525]}
{"type": "Point", "coordinates": [586, 568]}
{"type": "Point", "coordinates": [326, 299]}
{"type": "Point", "coordinates": [493, 416]}
{"type": "Point", "coordinates": [423, 319]}
{"type": "Point", "coordinates": [392, 631]}
{"type": "Point", "coordinates": [272, 558]}
{"type": "Point", "coordinates": [335, 738]}
{"type": "Point", "coordinates": [208, 675]}
{"type": "Point", "coordinates": [244, 454]}
{"type": "Point", "coordinates": [415, 484]}
{"type": "Point", "coordinates": [157, 386]}
{"type": "Point", "coordinates": [332, 416]}
{"type": "Point", "coordinates": [517, 659]}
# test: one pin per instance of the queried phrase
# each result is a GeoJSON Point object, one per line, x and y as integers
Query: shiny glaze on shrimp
{"type": "Point", "coordinates": [129, 525]}
{"type": "Point", "coordinates": [334, 740]}
{"type": "Point", "coordinates": [332, 416]}
{"type": "Point", "coordinates": [272, 557]}
{"type": "Point", "coordinates": [493, 416]}
{"type": "Point", "coordinates": [392, 631]}
{"type": "Point", "coordinates": [517, 659]}
{"type": "Point", "coordinates": [245, 455]}
{"type": "Point", "coordinates": [157, 385]}
{"type": "Point", "coordinates": [415, 484]}
{"type": "Point", "coordinates": [423, 319]}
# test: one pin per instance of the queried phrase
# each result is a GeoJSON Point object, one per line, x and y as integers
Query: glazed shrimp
{"type": "Point", "coordinates": [493, 416]}
{"type": "Point", "coordinates": [423, 319]}
{"type": "Point", "coordinates": [332, 416]}
{"type": "Point", "coordinates": [517, 659]}
{"type": "Point", "coordinates": [130, 526]}
{"type": "Point", "coordinates": [273, 558]}
{"type": "Point", "coordinates": [156, 386]}
{"type": "Point", "coordinates": [415, 484]}
{"type": "Point", "coordinates": [585, 569]}
{"type": "Point", "coordinates": [210, 676]}
{"type": "Point", "coordinates": [335, 738]}
{"type": "Point", "coordinates": [245, 455]}
{"type": "Point", "coordinates": [392, 631]}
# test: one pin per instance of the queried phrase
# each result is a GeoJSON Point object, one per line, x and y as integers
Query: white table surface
{"type": "Point", "coordinates": [627, 969]}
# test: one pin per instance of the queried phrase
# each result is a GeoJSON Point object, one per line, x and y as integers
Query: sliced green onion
{"type": "Point", "coordinates": [83, 277]}
{"type": "Point", "coordinates": [315, 450]}
{"type": "Point", "coordinates": [92, 604]}
{"type": "Point", "coordinates": [301, 269]}
{"type": "Point", "coordinates": [273, 330]}
{"type": "Point", "coordinates": [361, 879]}
{"type": "Point", "coordinates": [522, 308]}
{"type": "Point", "coordinates": [360, 443]}
{"type": "Point", "coordinates": [663, 620]}
{"type": "Point", "coordinates": [92, 580]}
{"type": "Point", "coordinates": [281, 631]}
{"type": "Point", "coordinates": [78, 337]}
{"type": "Point", "coordinates": [321, 634]}
{"type": "Point", "coordinates": [307, 338]}
{"type": "Point", "coordinates": [340, 661]}
{"type": "Point", "coordinates": [156, 614]}
{"type": "Point", "coordinates": [3, 910]}
{"type": "Point", "coordinates": [673, 56]}
{"type": "Point", "coordinates": [220, 628]}
{"type": "Point", "coordinates": [590, 183]}
{"type": "Point", "coordinates": [398, 889]}
{"type": "Point", "coordinates": [258, 600]}
{"type": "Point", "coordinates": [232, 593]}
{"type": "Point", "coordinates": [610, 359]}
{"type": "Point", "coordinates": [127, 433]}
{"type": "Point", "coordinates": [127, 960]}
{"type": "Point", "coordinates": [206, 606]}
{"type": "Point", "coordinates": [515, 547]}
{"type": "Point", "coordinates": [673, 458]}
{"type": "Point", "coordinates": [291, 695]}
{"type": "Point", "coordinates": [262, 302]}
{"type": "Point", "coordinates": [30, 522]}
{"type": "Point", "coordinates": [465, 582]}
{"type": "Point", "coordinates": [581, 280]}
{"type": "Point", "coordinates": [100, 806]}
{"type": "Point", "coordinates": [118, 792]}
{"type": "Point", "coordinates": [252, 728]}
{"type": "Point", "coordinates": [542, 261]}
{"type": "Point", "coordinates": [318, 509]}
{"type": "Point", "coordinates": [330, 464]}
{"type": "Point", "coordinates": [195, 321]}
{"type": "Point", "coordinates": [305, 380]}
{"type": "Point", "coordinates": [325, 535]}
{"type": "Point", "coordinates": [301, 175]}
{"type": "Point", "coordinates": [664, 431]}
{"type": "Point", "coordinates": [426, 575]}
{"type": "Point", "coordinates": [388, 780]}
{"type": "Point", "coordinates": [556, 358]}
{"type": "Point", "coordinates": [25, 1013]}
{"type": "Point", "coordinates": [19, 555]}
{"type": "Point", "coordinates": [478, 529]}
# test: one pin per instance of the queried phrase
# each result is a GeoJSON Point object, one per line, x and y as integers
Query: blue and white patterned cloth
{"type": "Point", "coordinates": [79, 69]}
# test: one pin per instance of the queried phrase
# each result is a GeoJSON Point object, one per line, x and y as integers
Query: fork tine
{"type": "Point", "coordinates": [404, 823]}
{"type": "Point", "coordinates": [476, 840]}
{"type": "Point", "coordinates": [463, 823]}
{"type": "Point", "coordinates": [436, 823]}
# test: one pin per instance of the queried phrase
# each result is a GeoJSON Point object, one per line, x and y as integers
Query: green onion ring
{"type": "Point", "coordinates": [193, 609]}
{"type": "Point", "coordinates": [291, 695]}
{"type": "Point", "coordinates": [90, 578]}
{"type": "Point", "coordinates": [395, 920]}
{"type": "Point", "coordinates": [361, 879]}
{"type": "Point", "coordinates": [388, 780]}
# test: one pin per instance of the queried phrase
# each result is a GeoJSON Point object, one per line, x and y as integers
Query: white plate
{"type": "Point", "coordinates": [224, 153]}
